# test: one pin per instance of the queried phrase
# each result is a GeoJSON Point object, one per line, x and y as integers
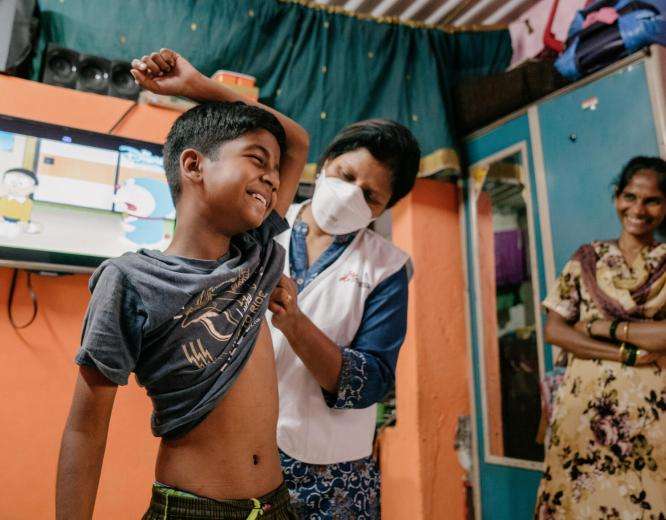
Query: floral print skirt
{"type": "Point", "coordinates": [606, 458]}
{"type": "Point", "coordinates": [344, 491]}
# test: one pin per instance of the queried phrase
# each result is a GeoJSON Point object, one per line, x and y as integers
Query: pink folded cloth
{"type": "Point", "coordinates": [606, 15]}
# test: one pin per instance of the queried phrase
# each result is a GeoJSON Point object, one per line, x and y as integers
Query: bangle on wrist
{"type": "Point", "coordinates": [625, 331]}
{"type": "Point", "coordinates": [631, 358]}
{"type": "Point", "coordinates": [612, 330]}
{"type": "Point", "coordinates": [588, 326]}
{"type": "Point", "coordinates": [628, 354]}
{"type": "Point", "coordinates": [623, 352]}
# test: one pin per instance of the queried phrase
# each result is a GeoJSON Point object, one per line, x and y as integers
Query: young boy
{"type": "Point", "coordinates": [189, 321]}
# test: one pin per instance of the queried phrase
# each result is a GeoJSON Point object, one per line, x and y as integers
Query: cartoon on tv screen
{"type": "Point", "coordinates": [56, 195]}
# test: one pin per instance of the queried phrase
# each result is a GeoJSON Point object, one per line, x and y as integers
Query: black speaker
{"type": "Point", "coordinates": [60, 66]}
{"type": "Point", "coordinates": [93, 74]}
{"type": "Point", "coordinates": [121, 82]}
{"type": "Point", "coordinates": [68, 68]}
{"type": "Point", "coordinates": [19, 29]}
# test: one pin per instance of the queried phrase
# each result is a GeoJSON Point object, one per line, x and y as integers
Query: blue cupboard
{"type": "Point", "coordinates": [539, 185]}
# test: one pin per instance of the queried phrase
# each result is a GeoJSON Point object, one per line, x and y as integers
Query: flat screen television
{"type": "Point", "coordinates": [70, 198]}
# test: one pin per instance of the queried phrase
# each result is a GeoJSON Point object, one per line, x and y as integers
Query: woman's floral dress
{"type": "Point", "coordinates": [606, 458]}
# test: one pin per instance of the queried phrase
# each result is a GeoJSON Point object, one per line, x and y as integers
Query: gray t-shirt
{"type": "Point", "coordinates": [185, 327]}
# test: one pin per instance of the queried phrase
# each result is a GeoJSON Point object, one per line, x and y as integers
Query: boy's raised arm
{"type": "Point", "coordinates": [166, 72]}
{"type": "Point", "coordinates": [83, 445]}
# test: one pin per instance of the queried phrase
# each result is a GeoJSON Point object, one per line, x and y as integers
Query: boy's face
{"type": "Point", "coordinates": [240, 185]}
{"type": "Point", "coordinates": [18, 184]}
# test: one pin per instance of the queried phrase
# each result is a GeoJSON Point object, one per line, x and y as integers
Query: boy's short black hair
{"type": "Point", "coordinates": [23, 171]}
{"type": "Point", "coordinates": [391, 143]}
{"type": "Point", "coordinates": [207, 126]}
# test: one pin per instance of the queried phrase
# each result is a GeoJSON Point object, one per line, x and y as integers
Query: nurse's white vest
{"type": "Point", "coordinates": [308, 430]}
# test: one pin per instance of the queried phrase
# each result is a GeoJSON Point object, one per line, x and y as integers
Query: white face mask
{"type": "Point", "coordinates": [339, 207]}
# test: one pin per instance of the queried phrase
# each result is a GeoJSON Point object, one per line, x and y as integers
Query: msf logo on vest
{"type": "Point", "coordinates": [355, 278]}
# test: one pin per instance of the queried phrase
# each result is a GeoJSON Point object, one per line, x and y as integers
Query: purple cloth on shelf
{"type": "Point", "coordinates": [510, 266]}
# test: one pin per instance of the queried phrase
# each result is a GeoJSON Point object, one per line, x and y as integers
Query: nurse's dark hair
{"type": "Point", "coordinates": [636, 164]}
{"type": "Point", "coordinates": [390, 143]}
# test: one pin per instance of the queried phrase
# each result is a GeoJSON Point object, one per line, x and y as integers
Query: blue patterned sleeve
{"type": "Point", "coordinates": [368, 364]}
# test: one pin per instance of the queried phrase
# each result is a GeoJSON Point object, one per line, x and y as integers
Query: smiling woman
{"type": "Point", "coordinates": [606, 457]}
{"type": "Point", "coordinates": [640, 195]}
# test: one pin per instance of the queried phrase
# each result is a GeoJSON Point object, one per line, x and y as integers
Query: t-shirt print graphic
{"type": "Point", "coordinates": [219, 317]}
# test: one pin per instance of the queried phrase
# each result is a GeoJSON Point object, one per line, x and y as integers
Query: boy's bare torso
{"type": "Point", "coordinates": [233, 453]}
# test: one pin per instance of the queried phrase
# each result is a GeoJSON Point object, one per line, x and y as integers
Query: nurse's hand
{"type": "Point", "coordinates": [283, 304]}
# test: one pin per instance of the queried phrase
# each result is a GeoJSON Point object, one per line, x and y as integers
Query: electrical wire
{"type": "Point", "coordinates": [122, 118]}
{"type": "Point", "coordinates": [10, 300]}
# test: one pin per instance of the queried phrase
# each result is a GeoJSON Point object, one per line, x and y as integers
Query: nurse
{"type": "Point", "coordinates": [339, 320]}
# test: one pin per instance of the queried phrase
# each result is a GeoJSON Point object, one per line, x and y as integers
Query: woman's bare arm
{"type": "Point", "coordinates": [573, 339]}
{"type": "Point", "coordinates": [559, 332]}
{"type": "Point", "coordinates": [650, 336]}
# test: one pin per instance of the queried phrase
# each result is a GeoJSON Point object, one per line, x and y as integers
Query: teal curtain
{"type": "Point", "coordinates": [324, 69]}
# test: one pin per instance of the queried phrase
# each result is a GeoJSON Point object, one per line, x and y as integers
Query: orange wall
{"type": "Point", "coordinates": [39, 371]}
{"type": "Point", "coordinates": [35, 393]}
{"type": "Point", "coordinates": [421, 477]}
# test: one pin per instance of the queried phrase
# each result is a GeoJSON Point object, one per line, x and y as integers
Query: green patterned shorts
{"type": "Point", "coordinates": [169, 503]}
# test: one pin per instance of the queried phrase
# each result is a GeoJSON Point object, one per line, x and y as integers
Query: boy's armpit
{"type": "Point", "coordinates": [94, 377]}
{"type": "Point", "coordinates": [113, 376]}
